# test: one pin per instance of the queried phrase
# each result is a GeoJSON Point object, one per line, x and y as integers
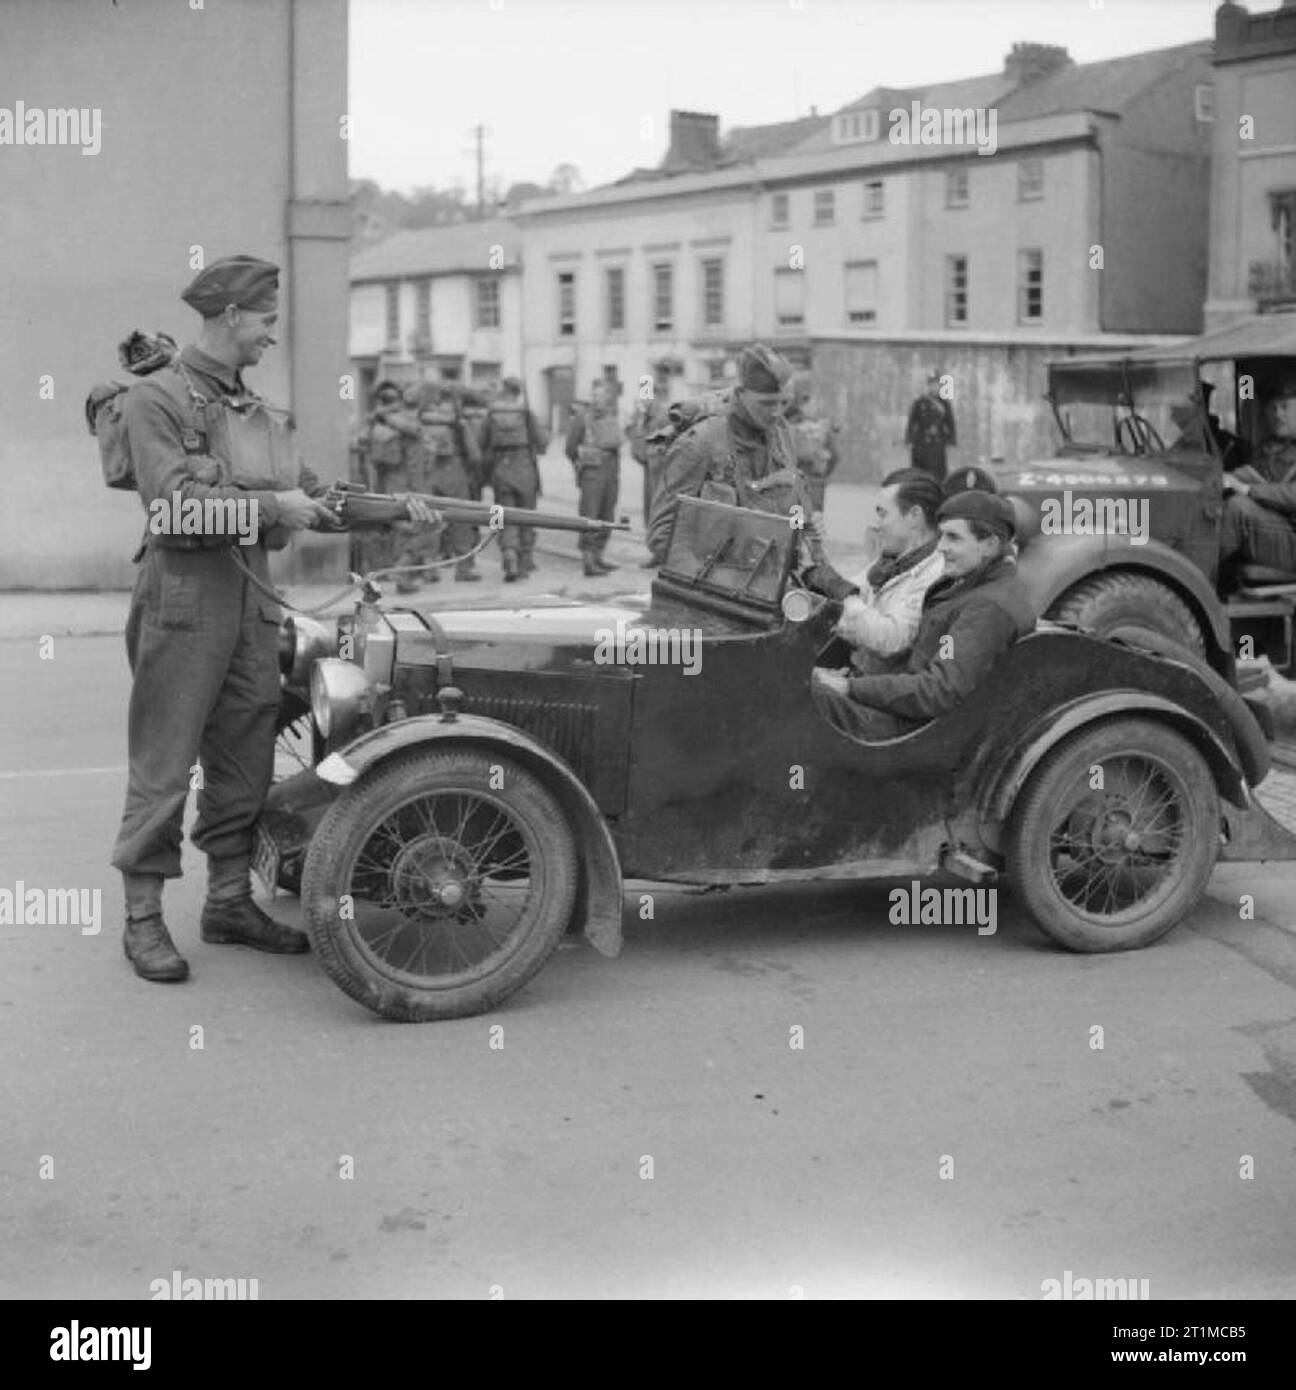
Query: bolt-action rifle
{"type": "Point", "coordinates": [354, 507]}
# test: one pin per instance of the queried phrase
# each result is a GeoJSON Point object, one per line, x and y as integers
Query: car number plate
{"type": "Point", "coordinates": [265, 859]}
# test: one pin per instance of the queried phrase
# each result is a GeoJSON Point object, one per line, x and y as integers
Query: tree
{"type": "Point", "coordinates": [566, 178]}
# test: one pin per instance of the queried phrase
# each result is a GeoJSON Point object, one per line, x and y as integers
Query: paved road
{"type": "Point", "coordinates": [522, 1168]}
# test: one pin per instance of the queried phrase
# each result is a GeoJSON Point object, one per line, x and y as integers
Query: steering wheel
{"type": "Point", "coordinates": [1142, 435]}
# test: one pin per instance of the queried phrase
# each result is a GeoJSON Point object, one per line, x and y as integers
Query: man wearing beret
{"type": "Point", "coordinates": [200, 638]}
{"type": "Point", "coordinates": [970, 618]}
{"type": "Point", "coordinates": [743, 454]}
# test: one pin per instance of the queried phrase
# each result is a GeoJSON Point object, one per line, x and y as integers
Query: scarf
{"type": "Point", "coordinates": [886, 569]}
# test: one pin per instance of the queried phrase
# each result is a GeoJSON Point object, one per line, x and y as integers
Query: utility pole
{"type": "Point", "coordinates": [479, 134]}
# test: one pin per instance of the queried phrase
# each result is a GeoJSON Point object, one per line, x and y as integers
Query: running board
{"type": "Point", "coordinates": [1267, 829]}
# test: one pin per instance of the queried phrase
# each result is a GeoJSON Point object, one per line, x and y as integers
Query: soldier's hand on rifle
{"type": "Point", "coordinates": [297, 511]}
{"type": "Point", "coordinates": [419, 510]}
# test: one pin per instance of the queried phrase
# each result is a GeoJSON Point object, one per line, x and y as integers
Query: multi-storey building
{"type": "Point", "coordinates": [1253, 167]}
{"type": "Point", "coordinates": [441, 303]}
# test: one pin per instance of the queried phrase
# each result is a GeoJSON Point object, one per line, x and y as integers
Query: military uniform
{"type": "Point", "coordinates": [929, 433]}
{"type": "Point", "coordinates": [444, 457]}
{"type": "Point", "coordinates": [511, 439]}
{"type": "Point", "coordinates": [1261, 526]}
{"type": "Point", "coordinates": [389, 438]}
{"type": "Point", "coordinates": [594, 448]}
{"type": "Point", "coordinates": [650, 417]}
{"type": "Point", "coordinates": [816, 451]}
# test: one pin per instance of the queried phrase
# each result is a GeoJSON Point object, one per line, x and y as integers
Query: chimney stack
{"type": "Point", "coordinates": [1029, 62]}
{"type": "Point", "coordinates": [694, 139]}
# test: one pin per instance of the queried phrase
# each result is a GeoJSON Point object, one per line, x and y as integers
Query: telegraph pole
{"type": "Point", "coordinates": [479, 133]}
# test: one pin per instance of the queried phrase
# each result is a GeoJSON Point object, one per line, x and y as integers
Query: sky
{"type": "Point", "coordinates": [590, 82]}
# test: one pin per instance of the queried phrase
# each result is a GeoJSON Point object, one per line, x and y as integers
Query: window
{"type": "Point", "coordinates": [663, 298]}
{"type": "Point", "coordinates": [956, 188]}
{"type": "Point", "coordinates": [614, 306]}
{"type": "Point", "coordinates": [423, 313]}
{"type": "Point", "coordinates": [713, 292]}
{"type": "Point", "coordinates": [789, 298]}
{"type": "Point", "coordinates": [1204, 101]}
{"type": "Point", "coordinates": [1030, 286]}
{"type": "Point", "coordinates": [853, 126]}
{"type": "Point", "coordinates": [956, 291]}
{"type": "Point", "coordinates": [874, 203]}
{"type": "Point", "coordinates": [567, 304]}
{"type": "Point", "coordinates": [488, 302]}
{"type": "Point", "coordinates": [1030, 180]}
{"type": "Point", "coordinates": [393, 315]}
{"type": "Point", "coordinates": [861, 292]}
{"type": "Point", "coordinates": [716, 371]}
{"type": "Point", "coordinates": [825, 206]}
{"type": "Point", "coordinates": [779, 210]}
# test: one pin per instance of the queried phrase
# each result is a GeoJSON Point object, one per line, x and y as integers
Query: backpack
{"type": "Point", "coordinates": [681, 416]}
{"type": "Point", "coordinates": [141, 354]}
{"type": "Point", "coordinates": [508, 427]}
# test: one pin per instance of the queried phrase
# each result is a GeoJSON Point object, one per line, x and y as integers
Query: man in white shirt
{"type": "Point", "coordinates": [880, 621]}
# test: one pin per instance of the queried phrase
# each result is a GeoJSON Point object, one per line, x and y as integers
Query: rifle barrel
{"type": "Point", "coordinates": [381, 508]}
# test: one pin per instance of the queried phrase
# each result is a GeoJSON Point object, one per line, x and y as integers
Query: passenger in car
{"type": "Point", "coordinates": [1259, 521]}
{"type": "Point", "coordinates": [970, 618]}
{"type": "Point", "coordinates": [880, 615]}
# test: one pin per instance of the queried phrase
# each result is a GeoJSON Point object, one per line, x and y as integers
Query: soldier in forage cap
{"type": "Point", "coordinates": [931, 431]}
{"type": "Point", "coordinates": [201, 638]}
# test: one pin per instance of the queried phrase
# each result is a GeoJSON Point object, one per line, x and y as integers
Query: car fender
{"type": "Point", "coordinates": [1061, 723]}
{"type": "Point", "coordinates": [599, 888]}
{"type": "Point", "coordinates": [1048, 571]}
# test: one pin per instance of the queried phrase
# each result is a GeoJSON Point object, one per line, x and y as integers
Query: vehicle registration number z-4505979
{"type": "Point", "coordinates": [1030, 479]}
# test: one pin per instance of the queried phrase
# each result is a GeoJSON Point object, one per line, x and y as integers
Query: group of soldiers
{"type": "Point", "coordinates": [440, 438]}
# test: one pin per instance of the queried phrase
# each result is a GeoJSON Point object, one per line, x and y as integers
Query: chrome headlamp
{"type": "Point", "coordinates": [302, 642]}
{"type": "Point", "coordinates": [340, 693]}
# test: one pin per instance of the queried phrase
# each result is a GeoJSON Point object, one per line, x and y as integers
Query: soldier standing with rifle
{"type": "Point", "coordinates": [594, 448]}
{"type": "Point", "coordinates": [511, 440]}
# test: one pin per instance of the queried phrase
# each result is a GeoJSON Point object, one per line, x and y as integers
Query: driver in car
{"type": "Point", "coordinates": [970, 618]}
{"type": "Point", "coordinates": [1259, 521]}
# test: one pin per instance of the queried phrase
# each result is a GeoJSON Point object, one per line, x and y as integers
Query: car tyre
{"type": "Point", "coordinates": [1114, 868]}
{"type": "Point", "coordinates": [435, 855]}
{"type": "Point", "coordinates": [1127, 605]}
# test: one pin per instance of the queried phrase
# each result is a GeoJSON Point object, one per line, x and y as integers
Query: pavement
{"type": "Point", "coordinates": [35, 613]}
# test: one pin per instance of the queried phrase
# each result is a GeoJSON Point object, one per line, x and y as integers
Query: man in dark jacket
{"type": "Point", "coordinates": [1259, 521]}
{"type": "Point", "coordinates": [970, 618]}
{"type": "Point", "coordinates": [930, 430]}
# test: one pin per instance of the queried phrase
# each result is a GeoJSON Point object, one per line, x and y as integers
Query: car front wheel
{"type": "Point", "coordinates": [1114, 837]}
{"type": "Point", "coordinates": [439, 885]}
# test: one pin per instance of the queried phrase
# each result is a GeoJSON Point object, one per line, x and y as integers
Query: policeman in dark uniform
{"type": "Point", "coordinates": [511, 441]}
{"type": "Point", "coordinates": [200, 637]}
{"type": "Point", "coordinates": [930, 430]}
{"type": "Point", "coordinates": [594, 448]}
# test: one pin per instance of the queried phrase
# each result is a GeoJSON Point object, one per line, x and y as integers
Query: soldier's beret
{"type": "Point", "coordinates": [760, 368]}
{"type": "Point", "coordinates": [987, 507]}
{"type": "Point", "coordinates": [244, 281]}
{"type": "Point", "coordinates": [970, 480]}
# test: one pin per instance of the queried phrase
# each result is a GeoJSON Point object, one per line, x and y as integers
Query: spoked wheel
{"type": "Point", "coordinates": [439, 885]}
{"type": "Point", "coordinates": [1114, 838]}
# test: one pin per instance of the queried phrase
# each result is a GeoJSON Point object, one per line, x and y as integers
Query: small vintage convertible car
{"type": "Point", "coordinates": [481, 781]}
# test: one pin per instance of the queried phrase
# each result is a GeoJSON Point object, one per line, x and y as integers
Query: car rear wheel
{"type": "Point", "coordinates": [439, 885]}
{"type": "Point", "coordinates": [1127, 605]}
{"type": "Point", "coordinates": [1114, 837]}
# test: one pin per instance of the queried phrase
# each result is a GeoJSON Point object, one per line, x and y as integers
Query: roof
{"type": "Point", "coordinates": [456, 248]}
{"type": "Point", "coordinates": [1265, 335]}
{"type": "Point", "coordinates": [755, 141]}
{"type": "Point", "coordinates": [1111, 85]}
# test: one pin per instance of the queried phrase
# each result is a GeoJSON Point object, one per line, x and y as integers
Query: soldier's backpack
{"type": "Point", "coordinates": [438, 430]}
{"type": "Point", "coordinates": [681, 416]}
{"type": "Point", "coordinates": [141, 354]}
{"type": "Point", "coordinates": [508, 427]}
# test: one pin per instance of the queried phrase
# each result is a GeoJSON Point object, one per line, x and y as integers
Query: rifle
{"type": "Point", "coordinates": [354, 507]}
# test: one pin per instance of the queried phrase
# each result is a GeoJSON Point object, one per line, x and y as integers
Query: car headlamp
{"type": "Point", "coordinates": [302, 642]}
{"type": "Point", "coordinates": [339, 694]}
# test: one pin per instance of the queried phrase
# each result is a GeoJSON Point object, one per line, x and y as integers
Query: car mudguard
{"type": "Point", "coordinates": [1229, 775]}
{"type": "Point", "coordinates": [1048, 571]}
{"type": "Point", "coordinates": [597, 910]}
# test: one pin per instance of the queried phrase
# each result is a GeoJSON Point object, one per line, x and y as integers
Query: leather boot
{"type": "Point", "coordinates": [242, 923]}
{"type": "Point", "coordinates": [149, 948]}
{"type": "Point", "coordinates": [511, 567]}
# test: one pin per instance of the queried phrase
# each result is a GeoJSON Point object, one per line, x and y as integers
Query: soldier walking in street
{"type": "Point", "coordinates": [200, 637]}
{"type": "Point", "coordinates": [930, 431]}
{"type": "Point", "coordinates": [594, 448]}
{"type": "Point", "coordinates": [511, 441]}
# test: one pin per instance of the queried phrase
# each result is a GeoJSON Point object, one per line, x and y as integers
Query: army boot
{"type": "Point", "coordinates": [231, 918]}
{"type": "Point", "coordinates": [149, 948]}
{"type": "Point", "coordinates": [527, 564]}
{"type": "Point", "coordinates": [511, 568]}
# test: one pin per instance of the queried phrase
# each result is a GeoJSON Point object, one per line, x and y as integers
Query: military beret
{"type": "Point", "coordinates": [987, 507]}
{"type": "Point", "coordinates": [970, 480]}
{"type": "Point", "coordinates": [243, 281]}
{"type": "Point", "coordinates": [760, 368]}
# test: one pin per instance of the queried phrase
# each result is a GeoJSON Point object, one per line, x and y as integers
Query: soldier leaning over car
{"type": "Point", "coordinates": [201, 639]}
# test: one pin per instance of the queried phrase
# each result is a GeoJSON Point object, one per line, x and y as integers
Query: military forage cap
{"type": "Point", "coordinates": [243, 281]}
{"type": "Point", "coordinates": [760, 368]}
{"type": "Point", "coordinates": [975, 505]}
